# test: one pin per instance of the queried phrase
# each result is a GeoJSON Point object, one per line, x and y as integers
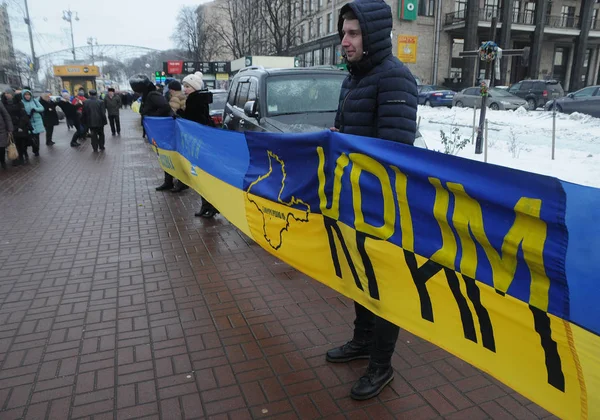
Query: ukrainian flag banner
{"type": "Point", "coordinates": [492, 264]}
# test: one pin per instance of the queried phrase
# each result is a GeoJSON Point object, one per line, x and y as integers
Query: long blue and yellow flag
{"type": "Point", "coordinates": [495, 265]}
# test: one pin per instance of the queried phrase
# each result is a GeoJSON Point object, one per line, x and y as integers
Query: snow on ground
{"type": "Point", "coordinates": [523, 140]}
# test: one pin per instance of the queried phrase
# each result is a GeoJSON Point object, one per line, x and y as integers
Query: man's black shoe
{"type": "Point", "coordinates": [349, 351]}
{"type": "Point", "coordinates": [373, 382]}
{"type": "Point", "coordinates": [180, 186]}
{"type": "Point", "coordinates": [164, 187]}
{"type": "Point", "coordinates": [74, 144]}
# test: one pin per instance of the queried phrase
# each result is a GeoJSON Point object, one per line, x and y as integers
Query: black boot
{"type": "Point", "coordinates": [207, 210]}
{"type": "Point", "coordinates": [352, 350]}
{"type": "Point", "coordinates": [372, 383]}
{"type": "Point", "coordinates": [179, 186]}
{"type": "Point", "coordinates": [3, 165]}
{"type": "Point", "coordinates": [164, 186]}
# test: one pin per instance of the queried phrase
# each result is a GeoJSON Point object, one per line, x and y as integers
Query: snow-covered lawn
{"type": "Point", "coordinates": [523, 140]}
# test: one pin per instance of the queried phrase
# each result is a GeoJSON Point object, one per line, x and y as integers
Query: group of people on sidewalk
{"type": "Point", "coordinates": [378, 99]}
{"type": "Point", "coordinates": [23, 118]}
{"type": "Point", "coordinates": [186, 99]}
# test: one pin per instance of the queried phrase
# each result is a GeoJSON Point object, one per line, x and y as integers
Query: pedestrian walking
{"type": "Point", "coordinates": [153, 105]}
{"type": "Point", "coordinates": [378, 99]}
{"type": "Point", "coordinates": [50, 116]}
{"type": "Point", "coordinates": [6, 129]}
{"type": "Point", "coordinates": [71, 114]}
{"type": "Point", "coordinates": [112, 103]}
{"type": "Point", "coordinates": [20, 123]}
{"type": "Point", "coordinates": [197, 109]}
{"type": "Point", "coordinates": [94, 117]}
{"type": "Point", "coordinates": [34, 110]}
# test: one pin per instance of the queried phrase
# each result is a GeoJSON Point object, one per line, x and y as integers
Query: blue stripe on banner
{"type": "Point", "coordinates": [221, 153]}
{"type": "Point", "coordinates": [583, 204]}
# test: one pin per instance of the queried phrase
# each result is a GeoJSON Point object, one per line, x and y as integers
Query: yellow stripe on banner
{"type": "Point", "coordinates": [466, 317]}
{"type": "Point", "coordinates": [551, 361]}
{"type": "Point", "coordinates": [228, 199]}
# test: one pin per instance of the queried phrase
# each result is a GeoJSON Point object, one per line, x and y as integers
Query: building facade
{"type": "Point", "coordinates": [562, 37]}
{"type": "Point", "coordinates": [8, 66]}
{"type": "Point", "coordinates": [437, 36]}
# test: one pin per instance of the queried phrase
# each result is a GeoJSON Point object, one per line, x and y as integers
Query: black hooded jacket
{"type": "Point", "coordinates": [379, 96]}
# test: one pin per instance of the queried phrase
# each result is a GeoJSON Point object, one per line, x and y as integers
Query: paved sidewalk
{"type": "Point", "coordinates": [117, 303]}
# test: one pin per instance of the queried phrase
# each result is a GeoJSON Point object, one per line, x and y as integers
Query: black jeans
{"type": "Point", "coordinates": [49, 132]}
{"type": "Point", "coordinates": [376, 331]}
{"type": "Point", "coordinates": [114, 120]}
{"type": "Point", "coordinates": [97, 137]}
{"type": "Point", "coordinates": [2, 155]}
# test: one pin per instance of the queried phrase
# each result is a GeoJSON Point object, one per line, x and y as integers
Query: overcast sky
{"type": "Point", "coordinates": [148, 23]}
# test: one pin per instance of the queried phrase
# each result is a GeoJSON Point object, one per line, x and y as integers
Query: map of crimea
{"type": "Point", "coordinates": [275, 223]}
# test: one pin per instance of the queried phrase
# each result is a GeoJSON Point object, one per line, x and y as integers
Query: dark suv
{"type": "Point", "coordinates": [290, 100]}
{"type": "Point", "coordinates": [537, 92]}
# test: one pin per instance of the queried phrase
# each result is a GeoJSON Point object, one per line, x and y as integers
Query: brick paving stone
{"type": "Point", "coordinates": [116, 302]}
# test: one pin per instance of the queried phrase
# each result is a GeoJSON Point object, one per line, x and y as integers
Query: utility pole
{"type": "Point", "coordinates": [34, 65]}
{"type": "Point", "coordinates": [68, 16]}
{"type": "Point", "coordinates": [90, 42]}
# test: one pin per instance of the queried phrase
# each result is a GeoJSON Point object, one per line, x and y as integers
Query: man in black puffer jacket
{"type": "Point", "coordinates": [378, 99]}
{"type": "Point", "coordinates": [94, 117]}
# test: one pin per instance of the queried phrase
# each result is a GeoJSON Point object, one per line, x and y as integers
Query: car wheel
{"type": "Point", "coordinates": [531, 104]}
{"type": "Point", "coordinates": [459, 104]}
{"type": "Point", "coordinates": [494, 106]}
{"type": "Point", "coordinates": [427, 102]}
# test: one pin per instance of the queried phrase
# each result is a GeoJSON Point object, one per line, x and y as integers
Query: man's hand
{"type": "Point", "coordinates": [335, 130]}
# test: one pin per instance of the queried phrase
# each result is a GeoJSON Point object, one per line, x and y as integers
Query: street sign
{"type": "Point", "coordinates": [174, 67]}
{"type": "Point", "coordinates": [407, 9]}
{"type": "Point", "coordinates": [208, 67]}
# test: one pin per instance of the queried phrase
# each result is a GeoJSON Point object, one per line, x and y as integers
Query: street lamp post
{"type": "Point", "coordinates": [68, 16]}
{"type": "Point", "coordinates": [90, 42]}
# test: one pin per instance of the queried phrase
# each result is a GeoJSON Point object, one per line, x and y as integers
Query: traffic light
{"type": "Point", "coordinates": [160, 77]}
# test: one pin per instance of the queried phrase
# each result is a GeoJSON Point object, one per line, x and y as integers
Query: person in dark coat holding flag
{"type": "Point", "coordinates": [378, 99]}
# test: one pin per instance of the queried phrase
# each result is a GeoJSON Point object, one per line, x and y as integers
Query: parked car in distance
{"type": "Point", "coordinates": [293, 100]}
{"type": "Point", "coordinates": [498, 99]}
{"type": "Point", "coordinates": [217, 107]}
{"type": "Point", "coordinates": [431, 95]}
{"type": "Point", "coordinates": [537, 92]}
{"type": "Point", "coordinates": [585, 101]}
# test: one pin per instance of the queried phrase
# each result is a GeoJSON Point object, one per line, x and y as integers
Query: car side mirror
{"type": "Point", "coordinates": [251, 109]}
{"type": "Point", "coordinates": [570, 95]}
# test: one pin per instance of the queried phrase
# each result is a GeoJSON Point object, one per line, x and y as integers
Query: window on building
{"type": "Point", "coordinates": [329, 23]}
{"type": "Point", "coordinates": [427, 8]}
{"type": "Point", "coordinates": [320, 4]}
{"type": "Point", "coordinates": [595, 24]}
{"type": "Point", "coordinates": [567, 16]}
{"type": "Point", "coordinates": [327, 56]}
{"type": "Point", "coordinates": [317, 57]}
{"type": "Point", "coordinates": [460, 9]}
{"type": "Point", "coordinates": [490, 9]}
{"type": "Point", "coordinates": [529, 15]}
{"type": "Point", "coordinates": [319, 27]}
{"type": "Point", "coordinates": [516, 11]}
{"type": "Point", "coordinates": [305, 9]}
{"type": "Point", "coordinates": [308, 59]}
{"type": "Point", "coordinates": [310, 30]}
{"type": "Point", "coordinates": [303, 33]}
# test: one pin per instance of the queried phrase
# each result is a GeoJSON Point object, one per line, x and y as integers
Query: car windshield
{"type": "Point", "coordinates": [303, 93]}
{"type": "Point", "coordinates": [500, 93]}
{"type": "Point", "coordinates": [219, 100]}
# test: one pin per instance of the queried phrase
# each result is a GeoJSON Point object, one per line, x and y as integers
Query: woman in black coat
{"type": "Point", "coordinates": [50, 117]}
{"type": "Point", "coordinates": [20, 123]}
{"type": "Point", "coordinates": [197, 109]}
